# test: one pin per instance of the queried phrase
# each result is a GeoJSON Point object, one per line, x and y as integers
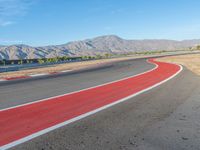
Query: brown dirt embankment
{"type": "Point", "coordinates": [191, 61]}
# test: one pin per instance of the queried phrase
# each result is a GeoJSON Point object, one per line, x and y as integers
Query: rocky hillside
{"type": "Point", "coordinates": [99, 45]}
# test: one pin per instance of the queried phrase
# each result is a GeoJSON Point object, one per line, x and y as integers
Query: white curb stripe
{"type": "Point", "coordinates": [36, 75]}
{"type": "Point", "coordinates": [1, 80]}
{"type": "Point", "coordinates": [40, 74]}
{"type": "Point", "coordinates": [66, 71]}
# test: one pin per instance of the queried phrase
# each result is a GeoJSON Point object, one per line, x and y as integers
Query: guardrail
{"type": "Point", "coordinates": [9, 68]}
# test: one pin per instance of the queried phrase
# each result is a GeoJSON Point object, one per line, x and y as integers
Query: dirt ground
{"type": "Point", "coordinates": [192, 61]}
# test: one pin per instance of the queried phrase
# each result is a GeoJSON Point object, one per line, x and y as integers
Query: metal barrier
{"type": "Point", "coordinates": [9, 68]}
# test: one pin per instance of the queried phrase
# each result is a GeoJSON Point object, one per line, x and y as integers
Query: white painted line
{"type": "Point", "coordinates": [1, 80]}
{"type": "Point", "coordinates": [37, 101]}
{"type": "Point", "coordinates": [84, 115]}
{"type": "Point", "coordinates": [40, 74]}
{"type": "Point", "coordinates": [37, 75]}
{"type": "Point", "coordinates": [65, 71]}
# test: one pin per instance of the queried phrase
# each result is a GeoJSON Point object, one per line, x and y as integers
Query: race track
{"type": "Point", "coordinates": [60, 109]}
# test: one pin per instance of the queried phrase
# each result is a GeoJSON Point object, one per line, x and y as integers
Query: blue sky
{"type": "Point", "coordinates": [48, 22]}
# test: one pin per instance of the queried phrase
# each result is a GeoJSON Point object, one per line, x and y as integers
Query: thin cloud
{"type": "Point", "coordinates": [14, 7]}
{"type": "Point", "coordinates": [6, 23]}
{"type": "Point", "coordinates": [10, 9]}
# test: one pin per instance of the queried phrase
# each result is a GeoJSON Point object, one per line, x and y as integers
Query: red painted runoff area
{"type": "Point", "coordinates": [19, 122]}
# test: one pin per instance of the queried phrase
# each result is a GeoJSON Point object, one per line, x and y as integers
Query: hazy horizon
{"type": "Point", "coordinates": [89, 39]}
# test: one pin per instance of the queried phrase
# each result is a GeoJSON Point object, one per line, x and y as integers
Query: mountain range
{"type": "Point", "coordinates": [99, 45]}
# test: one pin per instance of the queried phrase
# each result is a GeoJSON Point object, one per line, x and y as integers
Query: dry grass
{"type": "Point", "coordinates": [62, 67]}
{"type": "Point", "coordinates": [192, 61]}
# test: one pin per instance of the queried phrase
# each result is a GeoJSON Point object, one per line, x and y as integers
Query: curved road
{"type": "Point", "coordinates": [122, 126]}
{"type": "Point", "coordinates": [14, 93]}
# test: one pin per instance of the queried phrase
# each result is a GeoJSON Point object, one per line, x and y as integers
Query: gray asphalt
{"type": "Point", "coordinates": [155, 120]}
{"type": "Point", "coordinates": [14, 93]}
{"type": "Point", "coordinates": [164, 118]}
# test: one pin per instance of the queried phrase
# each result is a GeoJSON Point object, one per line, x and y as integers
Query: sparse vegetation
{"type": "Point", "coordinates": [65, 59]}
{"type": "Point", "coordinates": [198, 47]}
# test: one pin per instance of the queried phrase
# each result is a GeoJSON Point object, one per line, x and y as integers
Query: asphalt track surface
{"type": "Point", "coordinates": [119, 126]}
{"type": "Point", "coordinates": [14, 93]}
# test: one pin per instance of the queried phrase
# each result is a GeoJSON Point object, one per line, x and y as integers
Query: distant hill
{"type": "Point", "coordinates": [98, 45]}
